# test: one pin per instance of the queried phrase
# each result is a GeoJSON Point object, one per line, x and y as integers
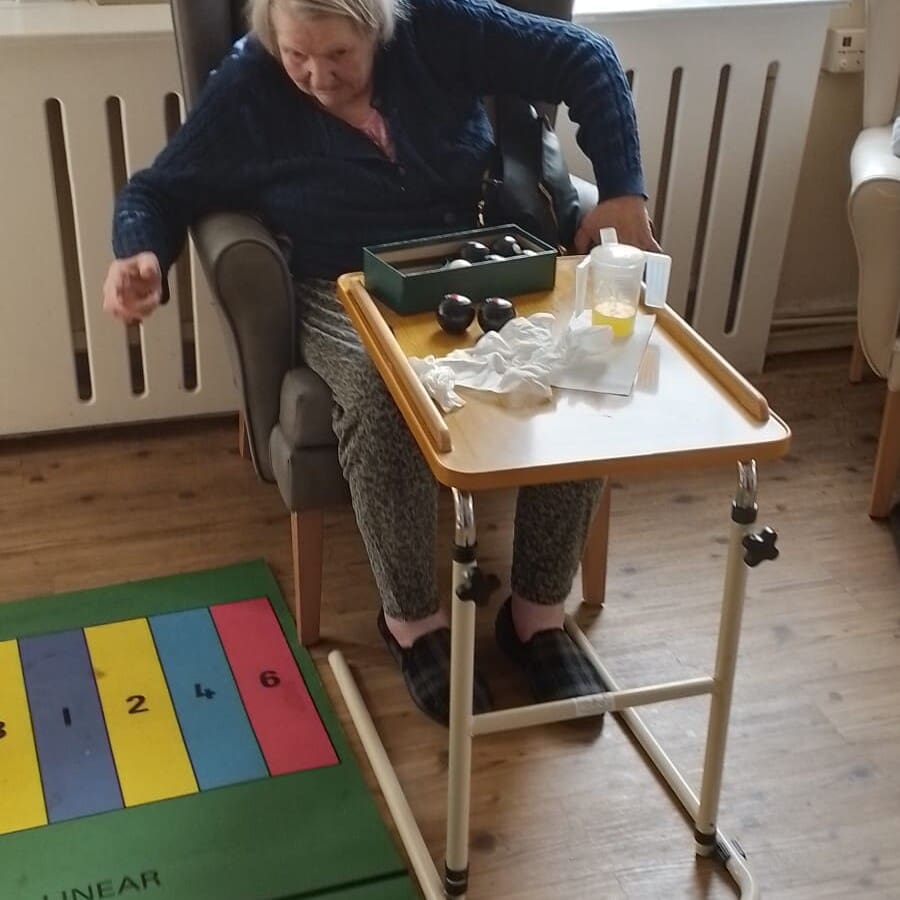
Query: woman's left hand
{"type": "Point", "coordinates": [628, 215]}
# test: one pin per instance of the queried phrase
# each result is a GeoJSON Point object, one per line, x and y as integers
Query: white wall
{"type": "Point", "coordinates": [819, 272]}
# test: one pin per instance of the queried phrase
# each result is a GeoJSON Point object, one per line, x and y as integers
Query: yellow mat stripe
{"type": "Point", "coordinates": [146, 741]}
{"type": "Point", "coordinates": [21, 793]}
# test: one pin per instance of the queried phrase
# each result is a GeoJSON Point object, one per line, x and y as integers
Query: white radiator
{"type": "Point", "coordinates": [724, 93]}
{"type": "Point", "coordinates": [86, 93]}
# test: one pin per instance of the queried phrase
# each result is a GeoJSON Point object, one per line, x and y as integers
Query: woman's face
{"type": "Point", "coordinates": [328, 57]}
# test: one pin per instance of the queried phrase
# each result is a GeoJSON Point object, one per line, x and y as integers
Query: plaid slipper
{"type": "Point", "coordinates": [426, 670]}
{"type": "Point", "coordinates": [555, 667]}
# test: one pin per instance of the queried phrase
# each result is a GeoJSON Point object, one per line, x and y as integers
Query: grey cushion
{"type": "Point", "coordinates": [306, 405]}
{"type": "Point", "coordinates": [307, 478]}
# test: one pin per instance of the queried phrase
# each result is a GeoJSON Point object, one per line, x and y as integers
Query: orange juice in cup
{"type": "Point", "coordinates": [618, 314]}
{"type": "Point", "coordinates": [616, 274]}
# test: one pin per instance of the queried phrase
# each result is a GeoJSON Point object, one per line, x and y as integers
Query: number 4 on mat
{"type": "Point", "coordinates": [201, 692]}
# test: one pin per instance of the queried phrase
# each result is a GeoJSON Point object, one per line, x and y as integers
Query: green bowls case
{"type": "Point", "coordinates": [409, 276]}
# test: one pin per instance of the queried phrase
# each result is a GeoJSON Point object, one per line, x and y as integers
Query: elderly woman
{"type": "Point", "coordinates": [343, 123]}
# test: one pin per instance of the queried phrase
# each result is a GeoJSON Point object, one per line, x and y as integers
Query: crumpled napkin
{"type": "Point", "coordinates": [520, 363]}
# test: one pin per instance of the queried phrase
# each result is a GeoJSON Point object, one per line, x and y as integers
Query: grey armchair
{"type": "Point", "coordinates": [874, 211]}
{"type": "Point", "coordinates": [286, 407]}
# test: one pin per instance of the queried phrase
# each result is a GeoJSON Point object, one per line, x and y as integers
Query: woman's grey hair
{"type": "Point", "coordinates": [378, 16]}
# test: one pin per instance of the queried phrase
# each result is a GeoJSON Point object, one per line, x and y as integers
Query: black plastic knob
{"type": "Point", "coordinates": [760, 547]}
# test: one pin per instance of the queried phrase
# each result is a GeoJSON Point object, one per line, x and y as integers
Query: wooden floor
{"type": "Point", "coordinates": [812, 786]}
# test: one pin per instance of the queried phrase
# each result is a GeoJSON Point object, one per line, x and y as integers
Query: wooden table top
{"type": "Point", "coordinates": [689, 407]}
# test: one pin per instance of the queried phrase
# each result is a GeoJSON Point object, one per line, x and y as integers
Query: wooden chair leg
{"type": "Point", "coordinates": [306, 551]}
{"type": "Point", "coordinates": [593, 560]}
{"type": "Point", "coordinates": [887, 460]}
{"type": "Point", "coordinates": [242, 436]}
{"type": "Point", "coordinates": [858, 364]}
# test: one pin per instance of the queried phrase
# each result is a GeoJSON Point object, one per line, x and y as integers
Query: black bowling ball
{"type": "Point", "coordinates": [455, 313]}
{"type": "Point", "coordinates": [473, 252]}
{"type": "Point", "coordinates": [506, 246]}
{"type": "Point", "coordinates": [494, 313]}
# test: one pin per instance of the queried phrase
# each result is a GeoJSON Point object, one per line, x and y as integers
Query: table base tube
{"type": "Point", "coordinates": [587, 706]}
{"type": "Point", "coordinates": [422, 863]}
{"type": "Point", "coordinates": [726, 848]}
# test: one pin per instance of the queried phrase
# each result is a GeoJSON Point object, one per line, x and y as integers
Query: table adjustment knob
{"type": "Point", "coordinates": [760, 546]}
{"type": "Point", "coordinates": [478, 587]}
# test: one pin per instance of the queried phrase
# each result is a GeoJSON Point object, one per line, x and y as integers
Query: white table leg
{"type": "Point", "coordinates": [462, 666]}
{"type": "Point", "coordinates": [743, 516]}
{"type": "Point", "coordinates": [708, 838]}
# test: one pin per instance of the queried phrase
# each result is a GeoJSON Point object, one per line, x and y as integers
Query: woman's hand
{"type": "Point", "coordinates": [628, 215]}
{"type": "Point", "coordinates": [133, 288]}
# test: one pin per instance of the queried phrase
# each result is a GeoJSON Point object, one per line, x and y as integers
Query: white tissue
{"type": "Point", "coordinates": [520, 363]}
{"type": "Point", "coordinates": [439, 381]}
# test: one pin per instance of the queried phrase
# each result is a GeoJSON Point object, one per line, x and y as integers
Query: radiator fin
{"type": "Point", "coordinates": [759, 147]}
{"type": "Point", "coordinates": [68, 244]}
{"type": "Point", "coordinates": [712, 161]}
{"type": "Point", "coordinates": [184, 293]}
{"type": "Point", "coordinates": [665, 156]}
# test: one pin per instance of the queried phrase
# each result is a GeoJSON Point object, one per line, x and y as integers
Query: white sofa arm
{"type": "Point", "coordinates": [881, 100]}
{"type": "Point", "coordinates": [874, 214]}
{"type": "Point", "coordinates": [873, 158]}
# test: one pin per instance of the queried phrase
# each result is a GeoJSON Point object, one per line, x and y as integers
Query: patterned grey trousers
{"type": "Point", "coordinates": [395, 495]}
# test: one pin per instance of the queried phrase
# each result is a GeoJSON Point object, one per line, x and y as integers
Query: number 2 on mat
{"type": "Point", "coordinates": [138, 700]}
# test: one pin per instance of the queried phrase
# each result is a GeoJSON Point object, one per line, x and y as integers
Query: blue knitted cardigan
{"type": "Point", "coordinates": [255, 143]}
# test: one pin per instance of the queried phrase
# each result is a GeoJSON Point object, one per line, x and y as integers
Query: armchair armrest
{"type": "Point", "coordinates": [587, 196]}
{"type": "Point", "coordinates": [874, 214]}
{"type": "Point", "coordinates": [253, 292]}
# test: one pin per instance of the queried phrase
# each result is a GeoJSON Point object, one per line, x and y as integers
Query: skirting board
{"type": "Point", "coordinates": [822, 337]}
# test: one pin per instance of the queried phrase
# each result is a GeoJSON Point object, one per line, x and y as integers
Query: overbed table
{"type": "Point", "coordinates": [689, 410]}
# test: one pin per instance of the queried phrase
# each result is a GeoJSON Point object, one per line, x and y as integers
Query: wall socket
{"type": "Point", "coordinates": [845, 50]}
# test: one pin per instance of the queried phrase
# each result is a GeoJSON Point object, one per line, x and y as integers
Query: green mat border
{"type": "Point", "coordinates": [378, 873]}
